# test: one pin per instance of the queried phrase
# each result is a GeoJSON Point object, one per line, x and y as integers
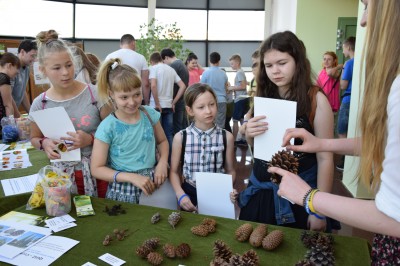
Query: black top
{"type": "Point", "coordinates": [4, 80]}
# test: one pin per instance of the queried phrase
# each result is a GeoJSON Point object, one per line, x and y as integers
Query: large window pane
{"type": "Point", "coordinates": [29, 17]}
{"type": "Point", "coordinates": [108, 22]}
{"type": "Point", "coordinates": [236, 25]}
{"type": "Point", "coordinates": [193, 23]}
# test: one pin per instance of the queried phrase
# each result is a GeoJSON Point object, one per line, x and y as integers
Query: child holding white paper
{"type": "Point", "coordinates": [285, 73]}
{"type": "Point", "coordinates": [56, 62]}
{"type": "Point", "coordinates": [125, 142]}
{"type": "Point", "coordinates": [200, 147]}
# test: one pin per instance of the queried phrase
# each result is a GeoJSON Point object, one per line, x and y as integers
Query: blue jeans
{"type": "Point", "coordinates": [179, 116]}
{"type": "Point", "coordinates": [343, 118]}
{"type": "Point", "coordinates": [167, 117]}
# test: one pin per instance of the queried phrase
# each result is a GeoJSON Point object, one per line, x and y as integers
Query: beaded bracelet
{"type": "Point", "coordinates": [179, 200]}
{"type": "Point", "coordinates": [115, 176]}
{"type": "Point", "coordinates": [306, 196]}
{"type": "Point", "coordinates": [309, 206]}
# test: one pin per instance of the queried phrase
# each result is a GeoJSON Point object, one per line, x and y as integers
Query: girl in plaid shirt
{"type": "Point", "coordinates": [204, 150]}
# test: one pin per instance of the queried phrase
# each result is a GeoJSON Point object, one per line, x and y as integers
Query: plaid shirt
{"type": "Point", "coordinates": [203, 153]}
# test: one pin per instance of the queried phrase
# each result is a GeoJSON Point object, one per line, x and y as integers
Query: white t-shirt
{"type": "Point", "coordinates": [166, 76]}
{"type": "Point", "coordinates": [388, 197]}
{"type": "Point", "coordinates": [131, 58]}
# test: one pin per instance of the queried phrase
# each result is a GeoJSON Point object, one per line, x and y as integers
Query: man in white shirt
{"type": "Point", "coordinates": [130, 57]}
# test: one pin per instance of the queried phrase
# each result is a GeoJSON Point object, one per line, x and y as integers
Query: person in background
{"type": "Point", "coordinates": [378, 143]}
{"type": "Point", "coordinates": [9, 67]}
{"type": "Point", "coordinates": [328, 79]}
{"type": "Point", "coordinates": [125, 142]}
{"type": "Point", "coordinates": [218, 81]}
{"type": "Point", "coordinates": [129, 56]}
{"type": "Point", "coordinates": [27, 51]}
{"type": "Point", "coordinates": [56, 62]}
{"type": "Point", "coordinates": [285, 73]}
{"type": "Point", "coordinates": [194, 68]}
{"type": "Point", "coordinates": [94, 59]}
{"type": "Point", "coordinates": [86, 71]}
{"type": "Point", "coordinates": [229, 105]}
{"type": "Point", "coordinates": [204, 151]}
{"type": "Point", "coordinates": [346, 85]}
{"type": "Point", "coordinates": [169, 58]}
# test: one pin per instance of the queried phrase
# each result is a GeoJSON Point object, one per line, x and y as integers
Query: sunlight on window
{"type": "Point", "coordinates": [108, 22]}
{"type": "Point", "coordinates": [29, 17]}
{"type": "Point", "coordinates": [193, 23]}
{"type": "Point", "coordinates": [236, 25]}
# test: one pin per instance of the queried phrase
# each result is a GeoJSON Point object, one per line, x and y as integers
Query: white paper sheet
{"type": "Point", "coordinates": [19, 185]}
{"type": "Point", "coordinates": [281, 115]}
{"type": "Point", "coordinates": [55, 123]}
{"type": "Point", "coordinates": [44, 252]}
{"type": "Point", "coordinates": [164, 197]}
{"type": "Point", "coordinates": [213, 194]}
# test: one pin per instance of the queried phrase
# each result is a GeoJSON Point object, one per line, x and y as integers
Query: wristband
{"type": "Point", "coordinates": [179, 200]}
{"type": "Point", "coordinates": [115, 176]}
{"type": "Point", "coordinates": [306, 197]}
{"type": "Point", "coordinates": [310, 200]}
{"type": "Point", "coordinates": [41, 143]}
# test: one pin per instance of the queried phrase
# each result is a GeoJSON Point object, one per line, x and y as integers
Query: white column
{"type": "Point", "coordinates": [267, 18]}
{"type": "Point", "coordinates": [283, 15]}
{"type": "Point", "coordinates": [151, 12]}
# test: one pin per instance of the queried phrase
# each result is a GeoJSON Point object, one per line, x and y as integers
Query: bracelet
{"type": "Point", "coordinates": [306, 197]}
{"type": "Point", "coordinates": [41, 143]}
{"type": "Point", "coordinates": [309, 206]}
{"type": "Point", "coordinates": [179, 200]}
{"type": "Point", "coordinates": [115, 176]}
{"type": "Point", "coordinates": [310, 199]}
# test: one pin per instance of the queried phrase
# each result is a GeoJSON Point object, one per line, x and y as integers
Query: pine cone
{"type": "Point", "coordinates": [200, 230]}
{"type": "Point", "coordinates": [183, 250]}
{"type": "Point", "coordinates": [209, 221]}
{"type": "Point", "coordinates": [143, 251]}
{"type": "Point", "coordinates": [174, 218]}
{"type": "Point", "coordinates": [222, 250]}
{"type": "Point", "coordinates": [155, 218]}
{"type": "Point", "coordinates": [285, 160]}
{"type": "Point", "coordinates": [305, 263]}
{"type": "Point", "coordinates": [218, 261]}
{"type": "Point", "coordinates": [155, 258]}
{"type": "Point", "coordinates": [325, 240]}
{"type": "Point", "coordinates": [272, 240]}
{"type": "Point", "coordinates": [169, 251]}
{"type": "Point", "coordinates": [308, 238]}
{"type": "Point", "coordinates": [320, 255]}
{"type": "Point", "coordinates": [243, 232]}
{"type": "Point", "coordinates": [152, 243]}
{"type": "Point", "coordinates": [258, 235]}
{"type": "Point", "coordinates": [236, 260]}
{"type": "Point", "coordinates": [250, 258]}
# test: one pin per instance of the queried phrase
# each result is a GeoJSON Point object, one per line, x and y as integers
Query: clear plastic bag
{"type": "Point", "coordinates": [9, 129]}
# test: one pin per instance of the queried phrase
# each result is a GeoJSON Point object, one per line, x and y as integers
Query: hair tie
{"type": "Point", "coordinates": [114, 65]}
{"type": "Point", "coordinates": [50, 41]}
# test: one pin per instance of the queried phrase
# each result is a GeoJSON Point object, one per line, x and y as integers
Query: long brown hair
{"type": "Point", "coordinates": [382, 58]}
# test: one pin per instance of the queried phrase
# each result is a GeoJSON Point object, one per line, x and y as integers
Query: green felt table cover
{"type": "Point", "coordinates": [91, 231]}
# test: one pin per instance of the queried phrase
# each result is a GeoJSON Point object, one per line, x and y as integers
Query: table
{"type": "Point", "coordinates": [91, 231]}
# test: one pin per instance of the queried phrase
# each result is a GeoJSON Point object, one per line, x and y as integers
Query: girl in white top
{"type": "Point", "coordinates": [378, 146]}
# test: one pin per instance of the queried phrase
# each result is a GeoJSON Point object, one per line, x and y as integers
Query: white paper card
{"type": "Point", "coordinates": [44, 252]}
{"type": "Point", "coordinates": [19, 185]}
{"type": "Point", "coordinates": [58, 224]}
{"type": "Point", "coordinates": [89, 264]}
{"type": "Point", "coordinates": [164, 197]}
{"type": "Point", "coordinates": [281, 115]}
{"type": "Point", "coordinates": [213, 194]}
{"type": "Point", "coordinates": [55, 123]}
{"type": "Point", "coordinates": [112, 260]}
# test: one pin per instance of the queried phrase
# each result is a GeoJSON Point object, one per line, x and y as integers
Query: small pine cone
{"type": "Point", "coordinates": [218, 261]}
{"type": "Point", "coordinates": [308, 238]}
{"type": "Point", "coordinates": [258, 235]}
{"type": "Point", "coordinates": [200, 230]}
{"type": "Point", "coordinates": [243, 232]}
{"type": "Point", "coordinates": [325, 240]}
{"type": "Point", "coordinates": [209, 221]}
{"type": "Point", "coordinates": [155, 258]}
{"type": "Point", "coordinates": [236, 260]}
{"type": "Point", "coordinates": [320, 255]}
{"type": "Point", "coordinates": [183, 250]}
{"type": "Point", "coordinates": [210, 228]}
{"type": "Point", "coordinates": [285, 160]}
{"type": "Point", "coordinates": [155, 218]}
{"type": "Point", "coordinates": [250, 258]}
{"type": "Point", "coordinates": [305, 263]}
{"type": "Point", "coordinates": [174, 218]}
{"type": "Point", "coordinates": [222, 250]}
{"type": "Point", "coordinates": [143, 251]}
{"type": "Point", "coordinates": [152, 243]}
{"type": "Point", "coordinates": [169, 251]}
{"type": "Point", "coordinates": [272, 240]}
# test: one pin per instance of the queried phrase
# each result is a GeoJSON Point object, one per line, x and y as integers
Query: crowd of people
{"type": "Point", "coordinates": [144, 124]}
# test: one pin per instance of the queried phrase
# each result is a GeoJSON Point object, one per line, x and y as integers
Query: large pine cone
{"type": "Point", "coordinates": [155, 218]}
{"type": "Point", "coordinates": [250, 258]}
{"type": "Point", "coordinates": [218, 261]}
{"type": "Point", "coordinates": [243, 232]}
{"type": "Point", "coordinates": [183, 250]}
{"type": "Point", "coordinates": [200, 230]}
{"type": "Point", "coordinates": [210, 224]}
{"type": "Point", "coordinates": [154, 258]}
{"type": "Point", "coordinates": [169, 251]}
{"type": "Point", "coordinates": [285, 160]}
{"type": "Point", "coordinates": [305, 263]}
{"type": "Point", "coordinates": [143, 251]}
{"type": "Point", "coordinates": [152, 243]}
{"type": "Point", "coordinates": [309, 239]}
{"type": "Point", "coordinates": [321, 255]}
{"type": "Point", "coordinates": [258, 235]}
{"type": "Point", "coordinates": [236, 260]}
{"type": "Point", "coordinates": [222, 250]}
{"type": "Point", "coordinates": [174, 218]}
{"type": "Point", "coordinates": [272, 240]}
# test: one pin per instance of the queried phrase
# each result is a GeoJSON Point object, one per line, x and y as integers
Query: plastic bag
{"type": "Point", "coordinates": [37, 199]}
{"type": "Point", "coordinates": [9, 129]}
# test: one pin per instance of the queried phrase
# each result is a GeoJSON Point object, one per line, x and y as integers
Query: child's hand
{"type": "Point", "coordinates": [233, 196]}
{"type": "Point", "coordinates": [79, 139]}
{"type": "Point", "coordinates": [160, 173]}
{"type": "Point", "coordinates": [144, 183]}
{"type": "Point", "coordinates": [187, 205]}
{"type": "Point", "coordinates": [50, 148]}
{"type": "Point", "coordinates": [256, 127]}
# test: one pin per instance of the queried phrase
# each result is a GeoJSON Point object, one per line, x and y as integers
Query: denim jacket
{"type": "Point", "coordinates": [283, 210]}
